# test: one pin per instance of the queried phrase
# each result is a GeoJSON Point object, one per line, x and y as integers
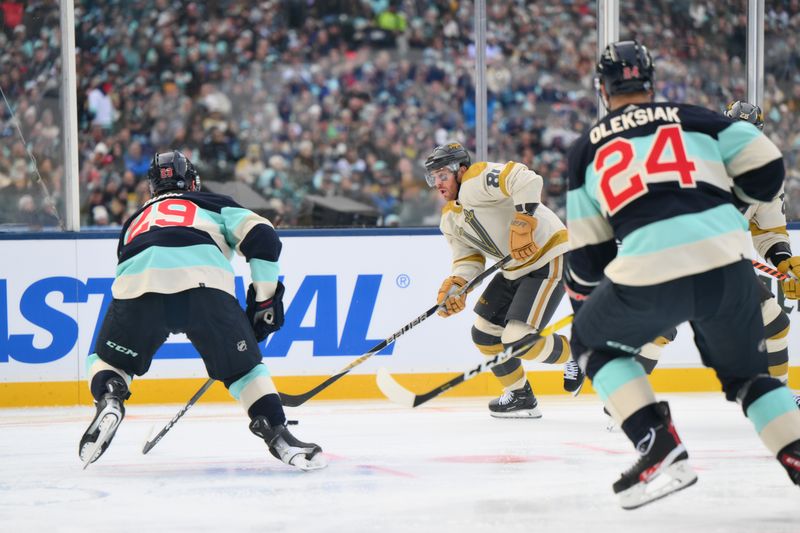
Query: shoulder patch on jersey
{"type": "Point", "coordinates": [453, 206]}
{"type": "Point", "coordinates": [503, 175]}
{"type": "Point", "coordinates": [473, 171]}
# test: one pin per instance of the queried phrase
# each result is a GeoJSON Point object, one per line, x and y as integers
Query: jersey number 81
{"type": "Point", "coordinates": [620, 185]}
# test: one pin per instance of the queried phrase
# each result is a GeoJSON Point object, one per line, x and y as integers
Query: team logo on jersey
{"type": "Point", "coordinates": [241, 346]}
{"type": "Point", "coordinates": [482, 240]}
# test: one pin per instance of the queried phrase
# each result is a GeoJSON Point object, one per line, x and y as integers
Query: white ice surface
{"type": "Point", "coordinates": [447, 466]}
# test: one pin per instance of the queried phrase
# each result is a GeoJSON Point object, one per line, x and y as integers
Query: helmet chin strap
{"type": "Point", "coordinates": [598, 86]}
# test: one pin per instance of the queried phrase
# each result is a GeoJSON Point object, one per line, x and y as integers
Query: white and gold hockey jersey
{"type": "Point", "coordinates": [768, 228]}
{"type": "Point", "coordinates": [476, 225]}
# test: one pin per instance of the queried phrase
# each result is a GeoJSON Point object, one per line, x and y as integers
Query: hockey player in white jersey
{"type": "Point", "coordinates": [494, 210]}
{"type": "Point", "coordinates": [771, 241]}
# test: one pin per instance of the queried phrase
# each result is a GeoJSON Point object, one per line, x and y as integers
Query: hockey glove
{"type": "Point", "coordinates": [450, 303]}
{"type": "Point", "coordinates": [520, 238]}
{"type": "Point", "coordinates": [267, 316]}
{"type": "Point", "coordinates": [791, 286]}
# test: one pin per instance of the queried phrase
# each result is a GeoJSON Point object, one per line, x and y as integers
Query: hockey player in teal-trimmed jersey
{"type": "Point", "coordinates": [771, 240]}
{"type": "Point", "coordinates": [174, 276]}
{"type": "Point", "coordinates": [665, 180]}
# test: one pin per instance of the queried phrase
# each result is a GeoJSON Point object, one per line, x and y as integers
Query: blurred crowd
{"type": "Point", "coordinates": [300, 99]}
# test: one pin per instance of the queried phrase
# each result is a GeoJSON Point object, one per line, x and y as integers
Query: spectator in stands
{"type": "Point", "coordinates": [136, 160]}
{"type": "Point", "coordinates": [299, 90]}
{"type": "Point", "coordinates": [250, 167]}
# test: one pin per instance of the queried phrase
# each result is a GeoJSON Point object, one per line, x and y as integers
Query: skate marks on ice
{"type": "Point", "coordinates": [446, 466]}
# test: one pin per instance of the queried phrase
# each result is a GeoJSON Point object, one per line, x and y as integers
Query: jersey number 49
{"type": "Point", "coordinates": [172, 212]}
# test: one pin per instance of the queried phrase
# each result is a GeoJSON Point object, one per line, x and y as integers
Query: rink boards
{"type": "Point", "coordinates": [345, 292]}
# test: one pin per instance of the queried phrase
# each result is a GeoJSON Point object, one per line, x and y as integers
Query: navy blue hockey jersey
{"type": "Point", "coordinates": [660, 179]}
{"type": "Point", "coordinates": [183, 240]}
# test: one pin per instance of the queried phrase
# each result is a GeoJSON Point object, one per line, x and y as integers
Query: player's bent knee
{"type": "Point", "coordinates": [516, 330]}
{"type": "Point", "coordinates": [486, 337]}
{"type": "Point", "coordinates": [252, 386]}
{"type": "Point", "coordinates": [776, 321]}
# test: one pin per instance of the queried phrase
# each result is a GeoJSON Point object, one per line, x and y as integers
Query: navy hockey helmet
{"type": "Point", "coordinates": [625, 67]}
{"type": "Point", "coordinates": [172, 171]}
{"type": "Point", "coordinates": [746, 111]}
{"type": "Point", "coordinates": [451, 155]}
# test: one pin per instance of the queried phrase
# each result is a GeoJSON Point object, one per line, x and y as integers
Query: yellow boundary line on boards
{"type": "Point", "coordinates": [351, 387]}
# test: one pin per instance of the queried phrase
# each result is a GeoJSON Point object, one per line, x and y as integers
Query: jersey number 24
{"type": "Point", "coordinates": [620, 185]}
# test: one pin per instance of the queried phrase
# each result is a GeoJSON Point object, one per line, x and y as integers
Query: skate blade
{"type": "Point", "coordinates": [317, 462]}
{"type": "Point", "coordinates": [671, 479]}
{"type": "Point", "coordinates": [106, 427]}
{"type": "Point", "coordinates": [526, 413]}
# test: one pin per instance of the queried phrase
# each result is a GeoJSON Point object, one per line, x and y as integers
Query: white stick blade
{"type": "Point", "coordinates": [393, 390]}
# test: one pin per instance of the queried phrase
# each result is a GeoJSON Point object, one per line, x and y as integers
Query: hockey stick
{"type": "Point", "coordinates": [149, 444]}
{"type": "Point", "coordinates": [294, 400]}
{"type": "Point", "coordinates": [400, 395]}
{"type": "Point", "coordinates": [290, 400]}
{"type": "Point", "coordinates": [769, 270]}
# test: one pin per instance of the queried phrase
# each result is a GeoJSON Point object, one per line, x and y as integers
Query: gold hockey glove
{"type": "Point", "coordinates": [791, 286]}
{"type": "Point", "coordinates": [452, 303]}
{"type": "Point", "coordinates": [520, 239]}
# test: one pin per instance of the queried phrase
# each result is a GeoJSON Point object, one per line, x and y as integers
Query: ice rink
{"type": "Point", "coordinates": [446, 466]}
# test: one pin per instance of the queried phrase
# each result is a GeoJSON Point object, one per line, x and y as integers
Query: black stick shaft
{"type": "Point", "coordinates": [294, 400]}
{"type": "Point", "coordinates": [149, 444]}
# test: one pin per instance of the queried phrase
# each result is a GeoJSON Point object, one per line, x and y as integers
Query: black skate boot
{"type": "Point", "coordinates": [284, 446]}
{"type": "Point", "coordinates": [573, 377]}
{"type": "Point", "coordinates": [789, 457]}
{"type": "Point", "coordinates": [662, 468]}
{"type": "Point", "coordinates": [520, 403]}
{"type": "Point", "coordinates": [110, 412]}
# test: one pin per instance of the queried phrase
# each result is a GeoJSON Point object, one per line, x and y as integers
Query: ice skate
{"type": "Point", "coordinates": [520, 403]}
{"type": "Point", "coordinates": [573, 377]}
{"type": "Point", "coordinates": [662, 468]}
{"type": "Point", "coordinates": [284, 446]}
{"type": "Point", "coordinates": [789, 457]}
{"type": "Point", "coordinates": [110, 412]}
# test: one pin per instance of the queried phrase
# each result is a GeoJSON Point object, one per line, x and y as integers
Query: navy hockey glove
{"type": "Point", "coordinates": [267, 316]}
{"type": "Point", "coordinates": [577, 293]}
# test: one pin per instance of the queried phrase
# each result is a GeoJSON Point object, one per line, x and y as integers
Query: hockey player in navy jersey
{"type": "Point", "coordinates": [771, 240]}
{"type": "Point", "coordinates": [665, 180]}
{"type": "Point", "coordinates": [174, 276]}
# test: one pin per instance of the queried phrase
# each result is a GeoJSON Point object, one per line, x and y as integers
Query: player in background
{"type": "Point", "coordinates": [661, 178]}
{"type": "Point", "coordinates": [771, 240]}
{"type": "Point", "coordinates": [174, 276]}
{"type": "Point", "coordinates": [493, 210]}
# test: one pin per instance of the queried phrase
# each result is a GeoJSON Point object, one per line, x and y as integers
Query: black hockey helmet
{"type": "Point", "coordinates": [451, 155]}
{"type": "Point", "coordinates": [625, 67]}
{"type": "Point", "coordinates": [746, 111]}
{"type": "Point", "coordinates": [172, 171]}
